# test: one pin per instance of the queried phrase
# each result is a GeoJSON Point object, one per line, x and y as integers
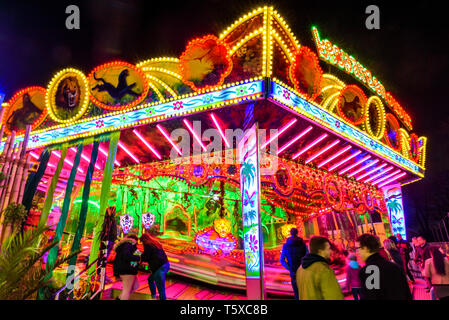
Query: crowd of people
{"type": "Point", "coordinates": [377, 271]}
{"type": "Point", "coordinates": [374, 270]}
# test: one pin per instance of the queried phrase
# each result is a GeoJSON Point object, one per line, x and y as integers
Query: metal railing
{"type": "Point", "coordinates": [77, 276]}
{"type": "Point", "coordinates": [440, 231]}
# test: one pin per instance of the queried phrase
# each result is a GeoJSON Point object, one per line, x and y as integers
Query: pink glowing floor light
{"type": "Point", "coordinates": [147, 144]}
{"type": "Point", "coordinates": [370, 172]}
{"type": "Point", "coordinates": [299, 136]}
{"type": "Point", "coordinates": [339, 153]}
{"type": "Point", "coordinates": [85, 157]}
{"type": "Point", "coordinates": [335, 166]}
{"type": "Point", "coordinates": [70, 163]}
{"type": "Point", "coordinates": [220, 130]}
{"type": "Point", "coordinates": [354, 165]}
{"type": "Point", "coordinates": [165, 134]}
{"type": "Point", "coordinates": [195, 136]}
{"type": "Point", "coordinates": [379, 174]}
{"type": "Point", "coordinates": [121, 145]}
{"type": "Point", "coordinates": [311, 145]}
{"type": "Point", "coordinates": [392, 179]}
{"type": "Point", "coordinates": [106, 155]}
{"type": "Point", "coordinates": [386, 177]}
{"type": "Point", "coordinates": [316, 155]}
{"type": "Point", "coordinates": [369, 165]}
{"type": "Point", "coordinates": [281, 131]}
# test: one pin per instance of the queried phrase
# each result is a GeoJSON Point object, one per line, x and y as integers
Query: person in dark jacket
{"type": "Point", "coordinates": [405, 249]}
{"type": "Point", "coordinates": [158, 264]}
{"type": "Point", "coordinates": [422, 251]}
{"type": "Point", "coordinates": [292, 253]}
{"type": "Point", "coordinates": [125, 265]}
{"type": "Point", "coordinates": [380, 278]}
{"type": "Point", "coordinates": [108, 236]}
{"type": "Point", "coordinates": [422, 254]}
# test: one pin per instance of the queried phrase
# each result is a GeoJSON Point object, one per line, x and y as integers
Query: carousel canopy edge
{"type": "Point", "coordinates": [215, 71]}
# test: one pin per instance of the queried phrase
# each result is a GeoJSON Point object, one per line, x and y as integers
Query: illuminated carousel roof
{"type": "Point", "coordinates": [354, 129]}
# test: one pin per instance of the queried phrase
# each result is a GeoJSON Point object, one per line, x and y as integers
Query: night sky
{"type": "Point", "coordinates": [409, 54]}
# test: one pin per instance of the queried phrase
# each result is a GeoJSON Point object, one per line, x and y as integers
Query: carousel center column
{"type": "Point", "coordinates": [248, 156]}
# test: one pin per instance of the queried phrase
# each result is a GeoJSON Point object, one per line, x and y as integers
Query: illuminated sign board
{"type": "Point", "coordinates": [332, 54]}
{"type": "Point", "coordinates": [395, 207]}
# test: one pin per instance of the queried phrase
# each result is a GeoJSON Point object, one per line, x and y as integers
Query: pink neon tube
{"type": "Point", "coordinates": [147, 144]}
{"type": "Point", "coordinates": [165, 134]}
{"type": "Point", "coordinates": [311, 145]}
{"type": "Point", "coordinates": [316, 155]}
{"type": "Point", "coordinates": [335, 166]}
{"type": "Point", "coordinates": [354, 165]}
{"type": "Point", "coordinates": [392, 179]}
{"type": "Point", "coordinates": [386, 177]}
{"type": "Point", "coordinates": [195, 136]}
{"type": "Point", "coordinates": [85, 157]}
{"type": "Point", "coordinates": [339, 153]}
{"type": "Point", "coordinates": [369, 165]}
{"type": "Point", "coordinates": [281, 131]}
{"type": "Point", "coordinates": [106, 155]}
{"type": "Point", "coordinates": [370, 172]}
{"type": "Point", "coordinates": [220, 130]}
{"type": "Point", "coordinates": [121, 145]}
{"type": "Point", "coordinates": [35, 156]}
{"type": "Point", "coordinates": [299, 136]}
{"type": "Point", "coordinates": [379, 174]}
{"type": "Point", "coordinates": [70, 163]}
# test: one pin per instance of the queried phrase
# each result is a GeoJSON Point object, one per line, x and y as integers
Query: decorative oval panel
{"type": "Point", "coordinates": [375, 118]}
{"type": "Point", "coordinates": [392, 134]}
{"type": "Point", "coordinates": [351, 105]}
{"type": "Point", "coordinates": [117, 85]}
{"type": "Point", "coordinates": [205, 63]}
{"type": "Point", "coordinates": [26, 107]}
{"type": "Point", "coordinates": [67, 96]}
{"type": "Point", "coordinates": [305, 73]}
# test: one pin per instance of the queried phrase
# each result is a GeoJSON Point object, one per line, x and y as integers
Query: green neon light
{"type": "Point", "coordinates": [90, 201]}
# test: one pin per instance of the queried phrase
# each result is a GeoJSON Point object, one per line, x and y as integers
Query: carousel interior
{"type": "Point", "coordinates": [193, 203]}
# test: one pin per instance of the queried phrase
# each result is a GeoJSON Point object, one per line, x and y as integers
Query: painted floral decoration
{"type": "Point", "coordinates": [305, 73]}
{"type": "Point", "coordinates": [205, 62]}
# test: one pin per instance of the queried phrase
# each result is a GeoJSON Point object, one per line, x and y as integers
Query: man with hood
{"type": "Point", "coordinates": [315, 278]}
{"type": "Point", "coordinates": [292, 253]}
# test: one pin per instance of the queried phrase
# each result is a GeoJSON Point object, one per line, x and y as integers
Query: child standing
{"type": "Point", "coordinates": [352, 276]}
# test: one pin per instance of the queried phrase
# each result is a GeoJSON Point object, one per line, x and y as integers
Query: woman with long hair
{"type": "Point", "coordinates": [158, 264]}
{"type": "Point", "coordinates": [437, 269]}
{"type": "Point", "coordinates": [395, 255]}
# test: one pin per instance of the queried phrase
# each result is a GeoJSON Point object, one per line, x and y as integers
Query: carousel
{"type": "Point", "coordinates": [218, 152]}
